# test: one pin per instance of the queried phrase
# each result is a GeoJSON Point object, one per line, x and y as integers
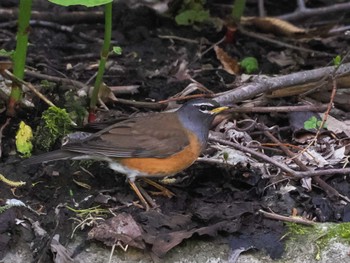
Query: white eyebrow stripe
{"type": "Point", "coordinates": [203, 103]}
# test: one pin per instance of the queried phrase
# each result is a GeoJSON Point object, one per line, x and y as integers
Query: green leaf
{"type": "Point", "coordinates": [337, 61]}
{"type": "Point", "coordinates": [24, 139]}
{"type": "Point", "coordinates": [88, 3]}
{"type": "Point", "coordinates": [189, 17]}
{"type": "Point", "coordinates": [5, 53]}
{"type": "Point", "coordinates": [249, 65]}
{"type": "Point", "coordinates": [313, 123]}
{"type": "Point", "coordinates": [310, 123]}
{"type": "Point", "coordinates": [238, 9]}
{"type": "Point", "coordinates": [117, 50]}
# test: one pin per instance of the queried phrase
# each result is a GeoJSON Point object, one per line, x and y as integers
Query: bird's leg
{"type": "Point", "coordinates": [140, 196]}
{"type": "Point", "coordinates": [146, 196]}
{"type": "Point", "coordinates": [163, 190]}
{"type": "Point", "coordinates": [145, 199]}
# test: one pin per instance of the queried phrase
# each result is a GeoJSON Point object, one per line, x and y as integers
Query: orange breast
{"type": "Point", "coordinates": [169, 165]}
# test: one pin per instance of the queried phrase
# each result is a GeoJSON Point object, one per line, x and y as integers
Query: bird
{"type": "Point", "coordinates": [153, 146]}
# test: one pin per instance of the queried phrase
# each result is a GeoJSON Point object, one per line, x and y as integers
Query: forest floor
{"type": "Point", "coordinates": [219, 199]}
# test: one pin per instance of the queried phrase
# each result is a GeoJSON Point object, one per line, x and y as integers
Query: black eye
{"type": "Point", "coordinates": [203, 107]}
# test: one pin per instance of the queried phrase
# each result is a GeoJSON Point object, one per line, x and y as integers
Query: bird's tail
{"type": "Point", "coordinates": [48, 157]}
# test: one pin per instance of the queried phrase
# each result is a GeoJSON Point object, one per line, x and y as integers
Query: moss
{"type": "Point", "coordinates": [319, 236]}
{"type": "Point", "coordinates": [55, 124]}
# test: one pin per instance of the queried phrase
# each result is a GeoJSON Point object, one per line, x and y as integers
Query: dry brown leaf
{"type": "Point", "coordinates": [121, 230]}
{"type": "Point", "coordinates": [274, 25]}
{"type": "Point", "coordinates": [60, 253]}
{"type": "Point", "coordinates": [230, 64]}
{"type": "Point", "coordinates": [292, 90]}
{"type": "Point", "coordinates": [5, 65]}
{"type": "Point", "coordinates": [282, 59]}
{"type": "Point", "coordinates": [337, 126]}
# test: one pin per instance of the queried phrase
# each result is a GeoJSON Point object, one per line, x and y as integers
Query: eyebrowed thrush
{"type": "Point", "coordinates": [156, 145]}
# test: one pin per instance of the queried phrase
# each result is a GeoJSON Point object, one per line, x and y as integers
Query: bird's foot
{"type": "Point", "coordinates": [163, 190]}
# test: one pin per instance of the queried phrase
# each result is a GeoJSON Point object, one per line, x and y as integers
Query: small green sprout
{"type": "Point", "coordinates": [192, 12]}
{"type": "Point", "coordinates": [249, 65]}
{"type": "Point", "coordinates": [190, 17]}
{"type": "Point", "coordinates": [337, 61]}
{"type": "Point", "coordinates": [117, 50]}
{"type": "Point", "coordinates": [313, 123]}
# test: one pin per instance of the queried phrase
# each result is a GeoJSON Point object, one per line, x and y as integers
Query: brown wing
{"type": "Point", "coordinates": [158, 135]}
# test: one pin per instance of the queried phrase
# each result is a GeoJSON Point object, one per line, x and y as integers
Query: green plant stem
{"type": "Point", "coordinates": [104, 56]}
{"type": "Point", "coordinates": [238, 9]}
{"type": "Point", "coordinates": [19, 57]}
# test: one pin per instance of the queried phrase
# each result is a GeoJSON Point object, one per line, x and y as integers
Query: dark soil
{"type": "Point", "coordinates": [210, 200]}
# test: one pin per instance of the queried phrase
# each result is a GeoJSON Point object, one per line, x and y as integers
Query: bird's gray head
{"type": "Point", "coordinates": [197, 116]}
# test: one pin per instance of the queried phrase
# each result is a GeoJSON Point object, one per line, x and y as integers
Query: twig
{"type": "Point", "coordinates": [297, 220]}
{"type": "Point", "coordinates": [142, 104]}
{"type": "Point", "coordinates": [326, 187]}
{"type": "Point", "coordinates": [32, 88]}
{"type": "Point", "coordinates": [315, 108]}
{"type": "Point", "coordinates": [259, 155]}
{"type": "Point", "coordinates": [344, 171]}
{"type": "Point", "coordinates": [324, 119]}
{"type": "Point", "coordinates": [210, 48]}
{"type": "Point", "coordinates": [261, 6]}
{"type": "Point", "coordinates": [188, 97]}
{"type": "Point", "coordinates": [303, 12]}
{"type": "Point", "coordinates": [63, 28]}
{"type": "Point", "coordinates": [266, 84]}
{"type": "Point", "coordinates": [1, 133]}
{"type": "Point", "coordinates": [55, 79]}
{"type": "Point", "coordinates": [74, 17]}
{"type": "Point", "coordinates": [29, 86]}
{"type": "Point", "coordinates": [283, 44]}
{"type": "Point", "coordinates": [329, 107]}
{"type": "Point", "coordinates": [293, 174]}
{"type": "Point", "coordinates": [111, 254]}
{"type": "Point", "coordinates": [187, 40]}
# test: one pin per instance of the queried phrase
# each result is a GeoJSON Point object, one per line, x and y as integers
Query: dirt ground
{"type": "Point", "coordinates": [212, 201]}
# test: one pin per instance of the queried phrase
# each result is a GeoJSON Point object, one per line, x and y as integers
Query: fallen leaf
{"type": "Point", "coordinates": [274, 25]}
{"type": "Point", "coordinates": [230, 64]}
{"type": "Point", "coordinates": [337, 126]}
{"type": "Point", "coordinates": [120, 229]}
{"type": "Point", "coordinates": [60, 253]}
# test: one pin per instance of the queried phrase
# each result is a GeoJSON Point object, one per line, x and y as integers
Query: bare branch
{"type": "Point", "coordinates": [303, 12]}
{"type": "Point", "coordinates": [267, 84]}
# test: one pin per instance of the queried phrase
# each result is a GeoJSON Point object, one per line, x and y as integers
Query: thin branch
{"type": "Point", "coordinates": [343, 171]}
{"type": "Point", "coordinates": [303, 12]}
{"type": "Point", "coordinates": [293, 174]}
{"type": "Point", "coordinates": [1, 133]}
{"type": "Point", "coordinates": [314, 108]}
{"type": "Point", "coordinates": [297, 220]}
{"type": "Point", "coordinates": [29, 86]}
{"type": "Point", "coordinates": [283, 44]}
{"type": "Point", "coordinates": [38, 75]}
{"type": "Point", "coordinates": [326, 187]}
{"type": "Point", "coordinates": [259, 155]}
{"type": "Point", "coordinates": [262, 84]}
{"type": "Point", "coordinates": [74, 17]}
